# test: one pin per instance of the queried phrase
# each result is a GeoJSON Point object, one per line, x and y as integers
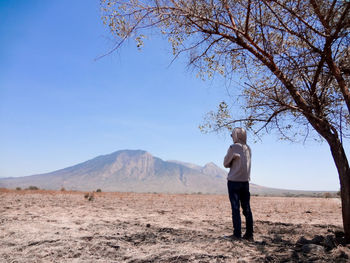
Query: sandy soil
{"type": "Point", "coordinates": [48, 226]}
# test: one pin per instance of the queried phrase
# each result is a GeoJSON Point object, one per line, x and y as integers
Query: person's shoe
{"type": "Point", "coordinates": [248, 237]}
{"type": "Point", "coordinates": [232, 238]}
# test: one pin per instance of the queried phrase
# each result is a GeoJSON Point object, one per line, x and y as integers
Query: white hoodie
{"type": "Point", "coordinates": [238, 157]}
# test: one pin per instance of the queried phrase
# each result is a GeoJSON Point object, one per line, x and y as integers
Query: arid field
{"type": "Point", "coordinates": [62, 226]}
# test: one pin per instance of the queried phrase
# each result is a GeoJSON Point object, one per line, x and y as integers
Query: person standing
{"type": "Point", "coordinates": [238, 159]}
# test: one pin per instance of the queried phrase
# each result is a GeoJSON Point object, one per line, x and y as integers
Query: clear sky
{"type": "Point", "coordinates": [60, 107]}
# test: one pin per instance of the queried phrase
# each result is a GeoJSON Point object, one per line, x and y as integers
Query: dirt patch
{"type": "Point", "coordinates": [49, 226]}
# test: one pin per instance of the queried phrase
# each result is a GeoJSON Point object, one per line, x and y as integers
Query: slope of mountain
{"type": "Point", "coordinates": [129, 170]}
{"type": "Point", "coordinates": [139, 171]}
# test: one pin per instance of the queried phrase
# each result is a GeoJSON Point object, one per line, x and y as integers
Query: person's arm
{"type": "Point", "coordinates": [230, 156]}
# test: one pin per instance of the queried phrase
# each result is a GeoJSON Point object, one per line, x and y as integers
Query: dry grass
{"type": "Point", "coordinates": [62, 226]}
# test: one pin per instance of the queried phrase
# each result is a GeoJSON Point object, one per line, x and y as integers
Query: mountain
{"type": "Point", "coordinates": [129, 170]}
{"type": "Point", "coordinates": [139, 171]}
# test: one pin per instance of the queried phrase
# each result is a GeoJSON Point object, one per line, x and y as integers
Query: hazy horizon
{"type": "Point", "coordinates": [180, 161]}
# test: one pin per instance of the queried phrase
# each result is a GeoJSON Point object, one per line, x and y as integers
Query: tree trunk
{"type": "Point", "coordinates": [343, 168]}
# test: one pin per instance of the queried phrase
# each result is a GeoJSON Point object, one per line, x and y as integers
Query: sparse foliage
{"type": "Point", "coordinates": [327, 195]}
{"type": "Point", "coordinates": [98, 190]}
{"type": "Point", "coordinates": [32, 188]}
{"type": "Point", "coordinates": [18, 188]}
{"type": "Point", "coordinates": [293, 56]}
{"type": "Point", "coordinates": [89, 196]}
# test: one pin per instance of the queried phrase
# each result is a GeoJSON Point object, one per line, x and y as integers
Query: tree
{"type": "Point", "coordinates": [293, 56]}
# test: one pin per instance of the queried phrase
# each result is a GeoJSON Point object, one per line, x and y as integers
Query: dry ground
{"type": "Point", "coordinates": [49, 226]}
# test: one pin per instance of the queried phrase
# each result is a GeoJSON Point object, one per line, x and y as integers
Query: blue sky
{"type": "Point", "coordinates": [59, 106]}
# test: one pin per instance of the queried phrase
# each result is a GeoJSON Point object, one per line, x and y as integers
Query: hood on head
{"type": "Point", "coordinates": [239, 135]}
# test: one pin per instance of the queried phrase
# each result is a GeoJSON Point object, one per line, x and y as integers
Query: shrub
{"type": "Point", "coordinates": [32, 187]}
{"type": "Point", "coordinates": [18, 188]}
{"type": "Point", "coordinates": [327, 195]}
{"type": "Point", "coordinates": [63, 189]}
{"type": "Point", "coordinates": [89, 196]}
{"type": "Point", "coordinates": [98, 190]}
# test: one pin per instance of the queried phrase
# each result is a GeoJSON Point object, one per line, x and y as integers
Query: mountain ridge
{"type": "Point", "coordinates": [140, 171]}
{"type": "Point", "coordinates": [128, 170]}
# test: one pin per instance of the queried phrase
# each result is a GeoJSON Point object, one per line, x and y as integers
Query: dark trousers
{"type": "Point", "coordinates": [239, 196]}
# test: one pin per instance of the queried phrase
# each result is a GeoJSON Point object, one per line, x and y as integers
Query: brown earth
{"type": "Point", "coordinates": [62, 226]}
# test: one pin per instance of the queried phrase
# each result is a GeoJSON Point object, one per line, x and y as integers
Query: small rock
{"type": "Point", "coordinates": [261, 243]}
{"type": "Point", "coordinates": [302, 241]}
{"type": "Point", "coordinates": [148, 225]}
{"type": "Point", "coordinates": [340, 238]}
{"type": "Point", "coordinates": [317, 240]}
{"type": "Point", "coordinates": [277, 239]}
{"type": "Point", "coordinates": [329, 242]}
{"type": "Point", "coordinates": [312, 249]}
{"type": "Point", "coordinates": [339, 234]}
{"type": "Point", "coordinates": [341, 254]}
{"type": "Point", "coordinates": [269, 258]}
